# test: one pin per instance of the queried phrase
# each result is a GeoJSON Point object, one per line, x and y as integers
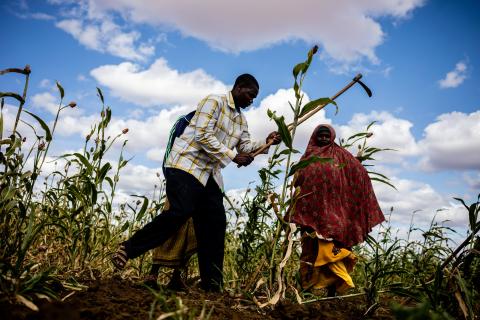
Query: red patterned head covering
{"type": "Point", "coordinates": [336, 199]}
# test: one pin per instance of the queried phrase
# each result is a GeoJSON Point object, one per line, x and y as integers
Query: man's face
{"type": "Point", "coordinates": [244, 94]}
{"type": "Point", "coordinates": [323, 138]}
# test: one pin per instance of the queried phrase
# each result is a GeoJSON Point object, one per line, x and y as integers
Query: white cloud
{"type": "Point", "coordinates": [138, 179]}
{"type": "Point", "coordinates": [388, 132]}
{"type": "Point", "coordinates": [156, 154]}
{"type": "Point", "coordinates": [414, 195]}
{"type": "Point", "coordinates": [45, 101]}
{"type": "Point", "coordinates": [473, 181]}
{"type": "Point", "coordinates": [70, 124]}
{"type": "Point", "coordinates": [45, 83]}
{"type": "Point", "coordinates": [455, 77]}
{"type": "Point", "coordinates": [348, 31]}
{"type": "Point", "coordinates": [106, 36]}
{"type": "Point", "coordinates": [148, 135]}
{"type": "Point", "coordinates": [260, 125]}
{"type": "Point", "coordinates": [157, 85]}
{"type": "Point", "coordinates": [452, 142]}
{"type": "Point", "coordinates": [41, 16]}
{"type": "Point", "coordinates": [9, 114]}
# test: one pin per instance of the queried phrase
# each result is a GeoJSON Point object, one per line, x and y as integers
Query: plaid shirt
{"type": "Point", "coordinates": [206, 144]}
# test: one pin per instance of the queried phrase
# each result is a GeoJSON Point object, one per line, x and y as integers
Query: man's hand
{"type": "Point", "coordinates": [243, 159]}
{"type": "Point", "coordinates": [274, 137]}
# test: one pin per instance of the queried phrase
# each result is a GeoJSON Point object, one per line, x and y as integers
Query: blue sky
{"type": "Point", "coordinates": [155, 59]}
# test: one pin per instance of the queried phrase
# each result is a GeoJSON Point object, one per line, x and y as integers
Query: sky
{"type": "Point", "coordinates": [154, 60]}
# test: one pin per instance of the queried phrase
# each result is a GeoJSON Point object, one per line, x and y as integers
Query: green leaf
{"type": "Point", "coordinates": [13, 147]}
{"type": "Point", "coordinates": [100, 94]}
{"type": "Point", "coordinates": [473, 215]}
{"type": "Point", "coordinates": [315, 103]}
{"type": "Point", "coordinates": [60, 89]}
{"type": "Point", "coordinates": [48, 135]}
{"type": "Point", "coordinates": [108, 116]}
{"type": "Point", "coordinates": [93, 193]}
{"type": "Point", "coordinates": [405, 292]}
{"type": "Point", "coordinates": [283, 130]}
{"type": "Point", "coordinates": [144, 207]}
{"type": "Point", "coordinates": [12, 95]}
{"type": "Point", "coordinates": [287, 151]}
{"type": "Point", "coordinates": [103, 172]}
{"type": "Point", "coordinates": [84, 161]}
{"type": "Point", "coordinates": [371, 124]}
{"type": "Point", "coordinates": [463, 202]}
{"type": "Point", "coordinates": [360, 134]}
{"type": "Point", "coordinates": [304, 163]}
{"type": "Point", "coordinates": [122, 164]}
{"type": "Point", "coordinates": [270, 113]}
{"type": "Point", "coordinates": [378, 174]}
{"type": "Point", "coordinates": [296, 89]}
{"type": "Point", "coordinates": [383, 181]}
{"type": "Point", "coordinates": [1, 125]}
{"type": "Point", "coordinates": [78, 195]}
{"type": "Point", "coordinates": [299, 67]}
{"type": "Point", "coordinates": [110, 182]}
{"type": "Point", "coordinates": [125, 226]}
{"type": "Point", "coordinates": [311, 52]}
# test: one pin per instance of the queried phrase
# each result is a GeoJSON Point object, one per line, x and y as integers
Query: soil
{"type": "Point", "coordinates": [116, 298]}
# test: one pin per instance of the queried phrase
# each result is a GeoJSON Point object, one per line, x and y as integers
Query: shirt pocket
{"type": "Point", "coordinates": [224, 125]}
{"type": "Point", "coordinates": [234, 138]}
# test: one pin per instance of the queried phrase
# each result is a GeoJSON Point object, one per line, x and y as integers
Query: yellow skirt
{"type": "Point", "coordinates": [323, 264]}
{"type": "Point", "coordinates": [177, 250]}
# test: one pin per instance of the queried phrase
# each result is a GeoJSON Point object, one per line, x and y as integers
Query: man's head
{"type": "Point", "coordinates": [245, 90]}
{"type": "Point", "coordinates": [323, 136]}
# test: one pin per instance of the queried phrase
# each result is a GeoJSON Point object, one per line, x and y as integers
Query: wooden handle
{"type": "Point", "coordinates": [320, 107]}
{"type": "Point", "coordinates": [311, 113]}
{"type": "Point", "coordinates": [261, 149]}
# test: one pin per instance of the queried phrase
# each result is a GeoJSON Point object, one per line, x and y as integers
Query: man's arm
{"type": "Point", "coordinates": [208, 111]}
{"type": "Point", "coordinates": [248, 146]}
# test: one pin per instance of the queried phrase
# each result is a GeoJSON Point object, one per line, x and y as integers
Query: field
{"type": "Point", "coordinates": [59, 229]}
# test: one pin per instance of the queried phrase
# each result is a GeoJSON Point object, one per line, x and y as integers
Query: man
{"type": "Point", "coordinates": [194, 182]}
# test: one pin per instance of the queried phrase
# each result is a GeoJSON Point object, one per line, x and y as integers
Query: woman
{"type": "Point", "coordinates": [174, 253]}
{"type": "Point", "coordinates": [336, 209]}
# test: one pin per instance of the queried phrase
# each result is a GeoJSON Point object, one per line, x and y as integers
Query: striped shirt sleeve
{"type": "Point", "coordinates": [208, 111]}
{"type": "Point", "coordinates": [246, 144]}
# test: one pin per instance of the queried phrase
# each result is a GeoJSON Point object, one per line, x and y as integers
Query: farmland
{"type": "Point", "coordinates": [58, 230]}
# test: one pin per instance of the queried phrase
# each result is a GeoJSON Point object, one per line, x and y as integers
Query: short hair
{"type": "Point", "coordinates": [246, 78]}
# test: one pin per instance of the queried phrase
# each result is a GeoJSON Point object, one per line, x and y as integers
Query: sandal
{"type": "Point", "coordinates": [119, 258]}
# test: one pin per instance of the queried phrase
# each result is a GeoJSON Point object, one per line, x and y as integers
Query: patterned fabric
{"type": "Point", "coordinates": [324, 264]}
{"type": "Point", "coordinates": [206, 145]}
{"type": "Point", "coordinates": [336, 199]}
{"type": "Point", "coordinates": [177, 250]}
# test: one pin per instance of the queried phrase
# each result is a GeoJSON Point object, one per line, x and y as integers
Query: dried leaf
{"type": "Point", "coordinates": [27, 303]}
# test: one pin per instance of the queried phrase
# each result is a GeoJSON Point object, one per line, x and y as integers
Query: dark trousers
{"type": "Point", "coordinates": [189, 198]}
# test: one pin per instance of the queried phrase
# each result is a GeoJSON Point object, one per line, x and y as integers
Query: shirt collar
{"type": "Point", "coordinates": [231, 102]}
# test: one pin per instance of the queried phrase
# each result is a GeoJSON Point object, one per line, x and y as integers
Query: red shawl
{"type": "Point", "coordinates": [336, 199]}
